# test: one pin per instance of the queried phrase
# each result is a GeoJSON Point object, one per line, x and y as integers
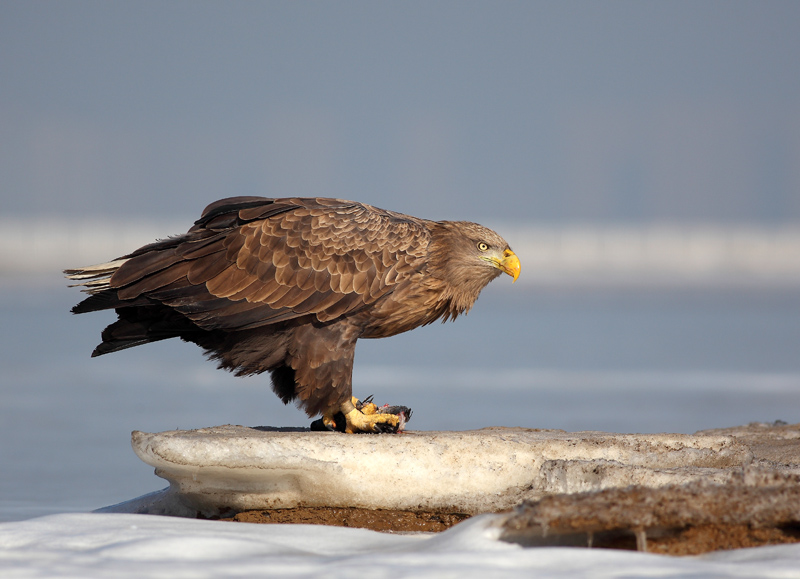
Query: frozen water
{"type": "Point", "coordinates": [116, 545]}
{"type": "Point", "coordinates": [218, 471]}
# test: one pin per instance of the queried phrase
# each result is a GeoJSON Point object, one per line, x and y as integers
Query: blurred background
{"type": "Point", "coordinates": [643, 160]}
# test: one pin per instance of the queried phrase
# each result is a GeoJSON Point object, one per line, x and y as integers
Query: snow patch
{"type": "Point", "coordinates": [120, 545]}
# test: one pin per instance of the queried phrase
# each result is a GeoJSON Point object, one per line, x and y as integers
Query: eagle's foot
{"type": "Point", "coordinates": [358, 421]}
{"type": "Point", "coordinates": [364, 416]}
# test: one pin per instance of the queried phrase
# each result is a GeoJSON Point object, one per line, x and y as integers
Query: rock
{"type": "Point", "coordinates": [757, 507]}
{"type": "Point", "coordinates": [774, 445]}
{"type": "Point", "coordinates": [218, 472]}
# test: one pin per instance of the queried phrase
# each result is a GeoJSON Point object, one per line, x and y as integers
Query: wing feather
{"type": "Point", "coordinates": [322, 280]}
{"type": "Point", "coordinates": [296, 296]}
{"type": "Point", "coordinates": [361, 282]}
{"type": "Point", "coordinates": [208, 267]}
{"type": "Point", "coordinates": [305, 278]}
{"type": "Point", "coordinates": [143, 265]}
{"type": "Point", "coordinates": [201, 248]}
{"type": "Point", "coordinates": [271, 292]}
{"type": "Point", "coordinates": [229, 282]}
{"type": "Point", "coordinates": [251, 261]}
{"type": "Point", "coordinates": [152, 283]}
{"type": "Point", "coordinates": [345, 304]}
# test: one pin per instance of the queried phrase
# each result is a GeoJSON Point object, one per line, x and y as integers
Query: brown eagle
{"type": "Point", "coordinates": [289, 285]}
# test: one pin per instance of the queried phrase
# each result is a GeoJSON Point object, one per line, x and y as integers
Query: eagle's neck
{"type": "Point", "coordinates": [455, 275]}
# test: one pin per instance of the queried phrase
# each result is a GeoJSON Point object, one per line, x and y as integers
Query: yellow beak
{"type": "Point", "coordinates": [509, 264]}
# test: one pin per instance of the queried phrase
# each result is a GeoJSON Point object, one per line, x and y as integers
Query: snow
{"type": "Point", "coordinates": [124, 545]}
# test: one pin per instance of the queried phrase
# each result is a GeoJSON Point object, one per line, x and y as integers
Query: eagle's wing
{"type": "Point", "coordinates": [249, 262]}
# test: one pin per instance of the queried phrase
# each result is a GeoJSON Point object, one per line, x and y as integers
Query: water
{"type": "Point", "coordinates": [623, 361]}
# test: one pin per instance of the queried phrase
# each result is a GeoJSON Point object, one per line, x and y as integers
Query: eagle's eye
{"type": "Point", "coordinates": [482, 246]}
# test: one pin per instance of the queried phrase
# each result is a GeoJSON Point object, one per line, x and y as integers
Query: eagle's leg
{"type": "Point", "coordinates": [329, 417]}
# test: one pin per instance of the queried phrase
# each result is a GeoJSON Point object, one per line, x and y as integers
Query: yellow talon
{"type": "Point", "coordinates": [328, 421]}
{"type": "Point", "coordinates": [363, 416]}
{"type": "Point", "coordinates": [366, 407]}
{"type": "Point", "coordinates": [357, 421]}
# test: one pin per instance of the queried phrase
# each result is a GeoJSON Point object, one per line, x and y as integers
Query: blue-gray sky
{"type": "Point", "coordinates": [541, 111]}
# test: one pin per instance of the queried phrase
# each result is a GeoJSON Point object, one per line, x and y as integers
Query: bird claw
{"type": "Point", "coordinates": [365, 417]}
{"type": "Point", "coordinates": [361, 403]}
{"type": "Point", "coordinates": [320, 425]}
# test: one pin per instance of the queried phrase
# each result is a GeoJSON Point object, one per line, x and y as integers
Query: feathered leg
{"type": "Point", "coordinates": [322, 359]}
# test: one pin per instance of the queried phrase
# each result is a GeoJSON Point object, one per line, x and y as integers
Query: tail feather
{"type": "Point", "coordinates": [142, 325]}
{"type": "Point", "coordinates": [141, 320]}
{"type": "Point", "coordinates": [118, 345]}
{"type": "Point", "coordinates": [94, 278]}
{"type": "Point", "coordinates": [102, 301]}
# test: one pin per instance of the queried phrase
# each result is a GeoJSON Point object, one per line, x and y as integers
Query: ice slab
{"type": "Point", "coordinates": [227, 469]}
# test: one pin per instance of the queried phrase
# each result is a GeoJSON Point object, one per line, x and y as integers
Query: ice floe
{"type": "Point", "coordinates": [222, 470]}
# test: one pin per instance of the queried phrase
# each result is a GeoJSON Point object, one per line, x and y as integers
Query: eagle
{"type": "Point", "coordinates": [288, 285]}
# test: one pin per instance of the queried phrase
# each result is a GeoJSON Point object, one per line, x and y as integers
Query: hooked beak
{"type": "Point", "coordinates": [509, 264]}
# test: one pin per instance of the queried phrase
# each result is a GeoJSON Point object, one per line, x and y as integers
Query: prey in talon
{"type": "Point", "coordinates": [288, 286]}
{"type": "Point", "coordinates": [397, 417]}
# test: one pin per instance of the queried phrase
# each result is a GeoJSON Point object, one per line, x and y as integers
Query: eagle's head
{"type": "Point", "coordinates": [467, 256]}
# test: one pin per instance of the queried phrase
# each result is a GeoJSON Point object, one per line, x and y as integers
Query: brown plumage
{"type": "Point", "coordinates": [289, 285]}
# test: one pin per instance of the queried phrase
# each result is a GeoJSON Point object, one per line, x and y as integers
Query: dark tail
{"type": "Point", "coordinates": [141, 320]}
{"type": "Point", "coordinates": [142, 325]}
